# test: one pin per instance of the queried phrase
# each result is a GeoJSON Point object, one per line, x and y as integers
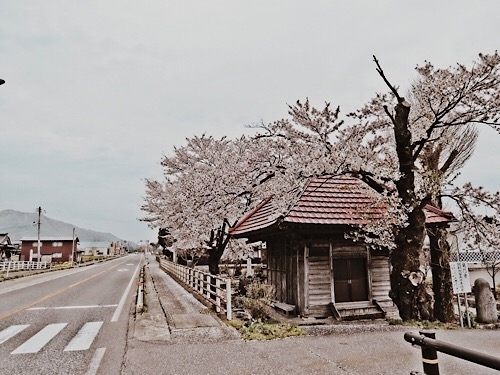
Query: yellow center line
{"type": "Point", "coordinates": [49, 296]}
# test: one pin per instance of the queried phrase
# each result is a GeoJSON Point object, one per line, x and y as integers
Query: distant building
{"type": "Point", "coordinates": [96, 248]}
{"type": "Point", "coordinates": [52, 249]}
{"type": "Point", "coordinates": [8, 249]}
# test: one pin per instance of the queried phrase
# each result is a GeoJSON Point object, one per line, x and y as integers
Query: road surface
{"type": "Point", "coordinates": [68, 322]}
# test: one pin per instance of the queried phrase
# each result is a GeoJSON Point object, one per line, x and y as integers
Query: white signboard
{"type": "Point", "coordinates": [460, 277]}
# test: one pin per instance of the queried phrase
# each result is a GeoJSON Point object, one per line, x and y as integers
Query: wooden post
{"type": "Point", "coordinates": [467, 310]}
{"type": "Point", "coordinates": [198, 281]}
{"type": "Point", "coordinates": [217, 298]}
{"type": "Point", "coordinates": [249, 267]}
{"type": "Point", "coordinates": [459, 311]}
{"type": "Point", "coordinates": [229, 311]}
{"type": "Point", "coordinates": [208, 285]}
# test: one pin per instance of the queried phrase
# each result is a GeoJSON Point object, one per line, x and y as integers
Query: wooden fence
{"type": "Point", "coordinates": [213, 289]}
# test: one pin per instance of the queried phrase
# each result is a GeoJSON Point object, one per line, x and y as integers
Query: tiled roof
{"type": "Point", "coordinates": [434, 215]}
{"type": "Point", "coordinates": [34, 238]}
{"type": "Point", "coordinates": [337, 200]}
{"type": "Point", "coordinates": [260, 217]}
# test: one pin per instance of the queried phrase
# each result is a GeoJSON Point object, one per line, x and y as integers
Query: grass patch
{"type": "Point", "coordinates": [423, 324]}
{"type": "Point", "coordinates": [61, 266]}
{"type": "Point", "coordinates": [257, 330]}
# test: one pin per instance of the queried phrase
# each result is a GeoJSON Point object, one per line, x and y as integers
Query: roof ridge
{"type": "Point", "coordinates": [439, 211]}
{"type": "Point", "coordinates": [250, 214]}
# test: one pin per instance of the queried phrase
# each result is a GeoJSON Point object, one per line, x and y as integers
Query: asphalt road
{"type": "Point", "coordinates": [343, 349]}
{"type": "Point", "coordinates": [68, 322]}
{"type": "Point", "coordinates": [79, 322]}
{"type": "Point", "coordinates": [360, 353]}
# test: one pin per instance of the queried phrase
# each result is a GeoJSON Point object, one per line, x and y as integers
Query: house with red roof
{"type": "Point", "coordinates": [52, 249]}
{"type": "Point", "coordinates": [316, 269]}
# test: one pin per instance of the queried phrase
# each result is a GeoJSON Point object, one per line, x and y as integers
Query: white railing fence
{"type": "Point", "coordinates": [25, 265]}
{"type": "Point", "coordinates": [214, 289]}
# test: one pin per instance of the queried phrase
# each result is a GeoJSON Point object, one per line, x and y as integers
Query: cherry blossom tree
{"type": "Point", "coordinates": [396, 147]}
{"type": "Point", "coordinates": [452, 98]}
{"type": "Point", "coordinates": [443, 160]}
{"type": "Point", "coordinates": [445, 101]}
{"type": "Point", "coordinates": [209, 184]}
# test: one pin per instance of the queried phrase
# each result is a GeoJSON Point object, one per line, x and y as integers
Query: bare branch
{"type": "Point", "coordinates": [391, 87]}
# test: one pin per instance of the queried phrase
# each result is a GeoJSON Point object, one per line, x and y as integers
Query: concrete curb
{"type": "Point", "coordinates": [150, 321]}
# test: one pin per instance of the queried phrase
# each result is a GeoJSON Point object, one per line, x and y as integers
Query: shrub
{"type": "Point", "coordinates": [261, 291]}
{"type": "Point", "coordinates": [257, 296]}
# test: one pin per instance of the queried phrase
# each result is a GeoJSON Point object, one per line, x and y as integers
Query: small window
{"type": "Point", "coordinates": [56, 255]}
{"type": "Point", "coordinates": [35, 244]}
{"type": "Point", "coordinates": [56, 244]}
{"type": "Point", "coordinates": [322, 251]}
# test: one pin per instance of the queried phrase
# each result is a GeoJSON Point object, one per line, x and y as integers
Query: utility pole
{"type": "Point", "coordinates": [73, 249]}
{"type": "Point", "coordinates": [38, 242]}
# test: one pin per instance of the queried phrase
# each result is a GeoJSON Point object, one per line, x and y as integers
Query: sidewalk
{"type": "Point", "coordinates": [177, 335]}
{"type": "Point", "coordinates": [173, 314]}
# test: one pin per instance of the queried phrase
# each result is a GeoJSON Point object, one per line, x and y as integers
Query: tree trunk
{"type": "Point", "coordinates": [492, 270]}
{"type": "Point", "coordinates": [494, 286]}
{"type": "Point", "coordinates": [408, 289]}
{"type": "Point", "coordinates": [217, 243]}
{"type": "Point", "coordinates": [214, 256]}
{"type": "Point", "coordinates": [441, 275]}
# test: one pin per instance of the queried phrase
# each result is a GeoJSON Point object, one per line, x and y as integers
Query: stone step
{"type": "Point", "coordinates": [358, 310]}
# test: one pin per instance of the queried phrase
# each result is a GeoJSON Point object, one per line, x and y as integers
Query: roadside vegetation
{"type": "Point", "coordinates": [255, 323]}
{"type": "Point", "coordinates": [258, 330]}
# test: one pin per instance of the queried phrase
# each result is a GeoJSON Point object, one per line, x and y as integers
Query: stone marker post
{"type": "Point", "coordinates": [485, 302]}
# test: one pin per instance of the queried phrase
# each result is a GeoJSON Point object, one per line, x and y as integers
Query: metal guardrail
{"type": "Point", "coordinates": [214, 289]}
{"type": "Point", "coordinates": [430, 347]}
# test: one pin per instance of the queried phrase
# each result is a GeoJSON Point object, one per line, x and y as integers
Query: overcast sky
{"type": "Point", "coordinates": [98, 90]}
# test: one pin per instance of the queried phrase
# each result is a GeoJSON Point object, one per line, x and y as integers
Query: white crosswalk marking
{"type": "Point", "coordinates": [37, 342]}
{"type": "Point", "coordinates": [96, 361]}
{"type": "Point", "coordinates": [84, 337]}
{"type": "Point", "coordinates": [7, 333]}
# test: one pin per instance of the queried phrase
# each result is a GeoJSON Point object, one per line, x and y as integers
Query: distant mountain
{"type": "Point", "coordinates": [20, 224]}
